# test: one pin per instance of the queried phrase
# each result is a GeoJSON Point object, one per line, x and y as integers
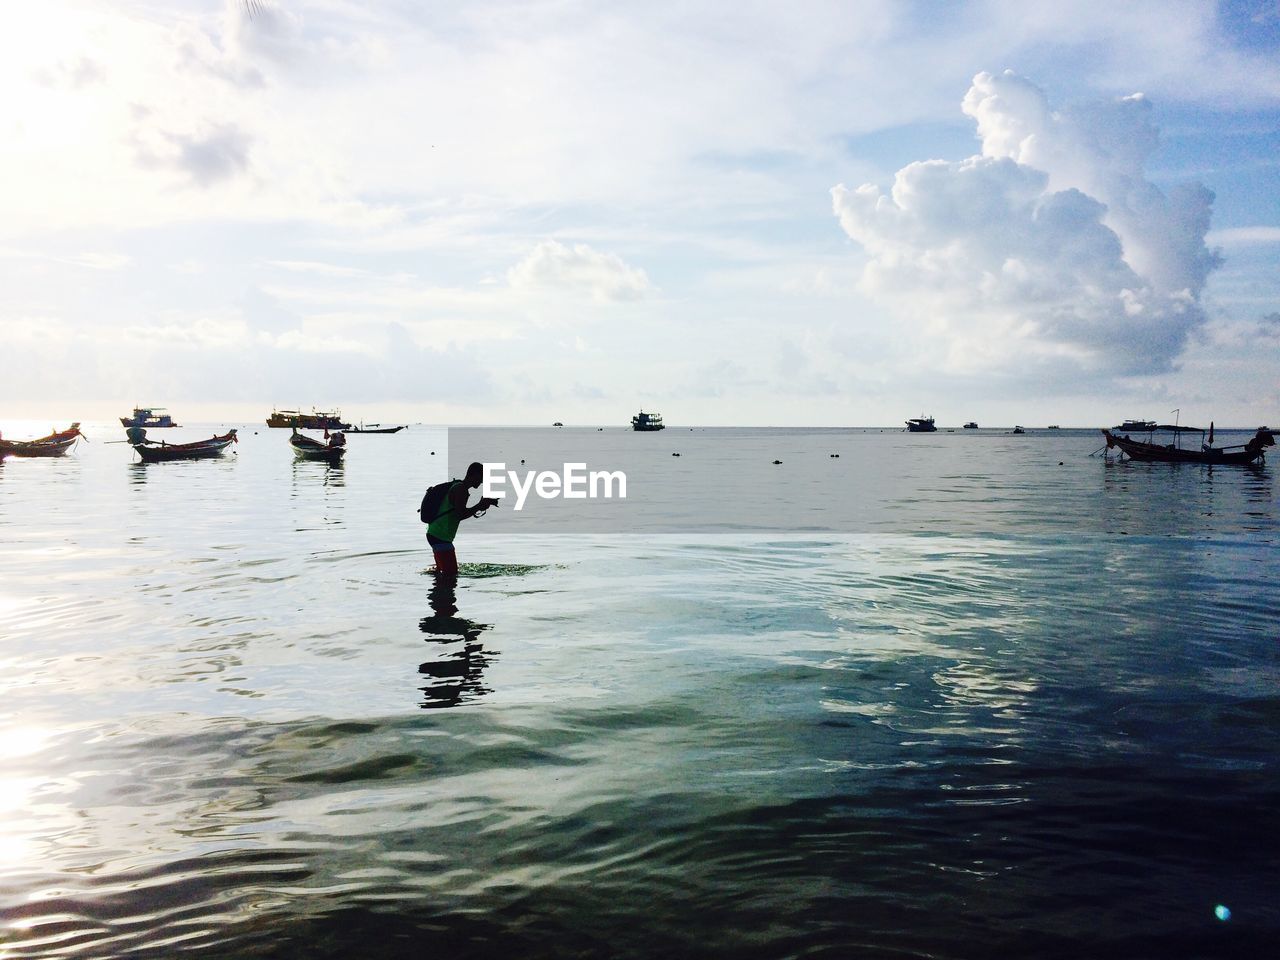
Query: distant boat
{"type": "Point", "coordinates": [971, 425]}
{"type": "Point", "coordinates": [557, 424]}
{"type": "Point", "coordinates": [1243, 454]}
{"type": "Point", "coordinates": [921, 424]}
{"type": "Point", "coordinates": [375, 428]}
{"type": "Point", "coordinates": [54, 445]}
{"type": "Point", "coordinates": [148, 417]}
{"type": "Point", "coordinates": [308, 448]}
{"type": "Point", "coordinates": [1053, 426]}
{"type": "Point", "coordinates": [152, 452]}
{"type": "Point", "coordinates": [1136, 426]}
{"type": "Point", "coordinates": [315, 420]}
{"type": "Point", "coordinates": [645, 422]}
{"type": "Point", "coordinates": [1018, 429]}
{"type": "Point", "coordinates": [1150, 426]}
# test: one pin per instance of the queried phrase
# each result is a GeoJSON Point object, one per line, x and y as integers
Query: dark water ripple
{"type": "Point", "coordinates": [1021, 740]}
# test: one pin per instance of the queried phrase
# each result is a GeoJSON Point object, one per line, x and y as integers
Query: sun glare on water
{"type": "Point", "coordinates": [17, 793]}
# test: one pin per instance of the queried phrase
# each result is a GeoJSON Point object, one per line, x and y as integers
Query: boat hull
{"type": "Point", "coordinates": [375, 429]}
{"type": "Point", "coordinates": [54, 445]}
{"type": "Point", "coordinates": [149, 423]}
{"type": "Point", "coordinates": [1156, 453]}
{"type": "Point", "coordinates": [307, 449]}
{"type": "Point", "coordinates": [36, 448]}
{"type": "Point", "coordinates": [200, 450]}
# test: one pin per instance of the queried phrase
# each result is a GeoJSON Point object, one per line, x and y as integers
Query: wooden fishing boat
{"type": "Point", "coordinates": [1242, 454]}
{"type": "Point", "coordinates": [54, 445]}
{"type": "Point", "coordinates": [152, 451]}
{"type": "Point", "coordinates": [308, 448]}
{"type": "Point", "coordinates": [376, 428]}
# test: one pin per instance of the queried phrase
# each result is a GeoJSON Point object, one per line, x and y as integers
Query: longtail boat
{"type": "Point", "coordinates": [376, 428]}
{"type": "Point", "coordinates": [54, 445]}
{"type": "Point", "coordinates": [309, 448]}
{"type": "Point", "coordinates": [158, 452]}
{"type": "Point", "coordinates": [1242, 454]}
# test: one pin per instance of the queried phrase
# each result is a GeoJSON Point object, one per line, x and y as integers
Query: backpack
{"type": "Point", "coordinates": [433, 501]}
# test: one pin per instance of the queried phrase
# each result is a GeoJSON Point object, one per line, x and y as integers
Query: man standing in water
{"type": "Point", "coordinates": [442, 529]}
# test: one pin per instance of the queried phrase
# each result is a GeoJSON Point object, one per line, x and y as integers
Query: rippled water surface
{"type": "Point", "coordinates": [1035, 712]}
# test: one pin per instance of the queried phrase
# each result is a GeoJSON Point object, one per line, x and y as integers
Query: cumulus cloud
{"type": "Point", "coordinates": [71, 74]}
{"type": "Point", "coordinates": [264, 29]}
{"type": "Point", "coordinates": [1269, 327]}
{"type": "Point", "coordinates": [319, 268]}
{"type": "Point", "coordinates": [100, 261]}
{"type": "Point", "coordinates": [217, 154]}
{"type": "Point", "coordinates": [579, 269]}
{"type": "Point", "coordinates": [1245, 236]}
{"type": "Point", "coordinates": [256, 43]}
{"type": "Point", "coordinates": [1051, 246]}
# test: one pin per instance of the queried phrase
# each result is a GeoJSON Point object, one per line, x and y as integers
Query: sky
{"type": "Point", "coordinates": [810, 213]}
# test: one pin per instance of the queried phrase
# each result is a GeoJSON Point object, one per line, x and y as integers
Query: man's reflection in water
{"type": "Point", "coordinates": [455, 672]}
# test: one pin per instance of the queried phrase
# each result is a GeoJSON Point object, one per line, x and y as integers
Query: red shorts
{"type": "Point", "coordinates": [446, 556]}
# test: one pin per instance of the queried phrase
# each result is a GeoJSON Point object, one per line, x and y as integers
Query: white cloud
{"type": "Point", "coordinates": [202, 332]}
{"type": "Point", "coordinates": [100, 261]}
{"type": "Point", "coordinates": [75, 74]}
{"type": "Point", "coordinates": [216, 155]}
{"type": "Point", "coordinates": [1244, 236]}
{"type": "Point", "coordinates": [1269, 326]}
{"type": "Point", "coordinates": [319, 268]}
{"type": "Point", "coordinates": [331, 167]}
{"type": "Point", "coordinates": [90, 259]}
{"type": "Point", "coordinates": [1051, 247]}
{"type": "Point", "coordinates": [309, 343]}
{"type": "Point", "coordinates": [579, 269]}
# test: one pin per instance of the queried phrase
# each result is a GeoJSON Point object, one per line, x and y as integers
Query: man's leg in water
{"type": "Point", "coordinates": [446, 559]}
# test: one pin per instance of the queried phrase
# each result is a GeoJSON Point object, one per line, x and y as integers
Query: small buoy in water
{"type": "Point", "coordinates": [433, 453]}
{"type": "Point", "coordinates": [1222, 912]}
{"type": "Point", "coordinates": [776, 462]}
{"type": "Point", "coordinates": [1061, 464]}
{"type": "Point", "coordinates": [522, 461]}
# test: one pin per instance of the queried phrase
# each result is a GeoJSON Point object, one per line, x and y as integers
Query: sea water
{"type": "Point", "coordinates": [988, 696]}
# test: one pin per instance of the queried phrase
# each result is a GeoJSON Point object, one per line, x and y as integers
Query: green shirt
{"type": "Point", "coordinates": [445, 526]}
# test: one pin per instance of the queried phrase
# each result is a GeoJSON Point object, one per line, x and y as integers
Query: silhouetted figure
{"type": "Point", "coordinates": [442, 529]}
